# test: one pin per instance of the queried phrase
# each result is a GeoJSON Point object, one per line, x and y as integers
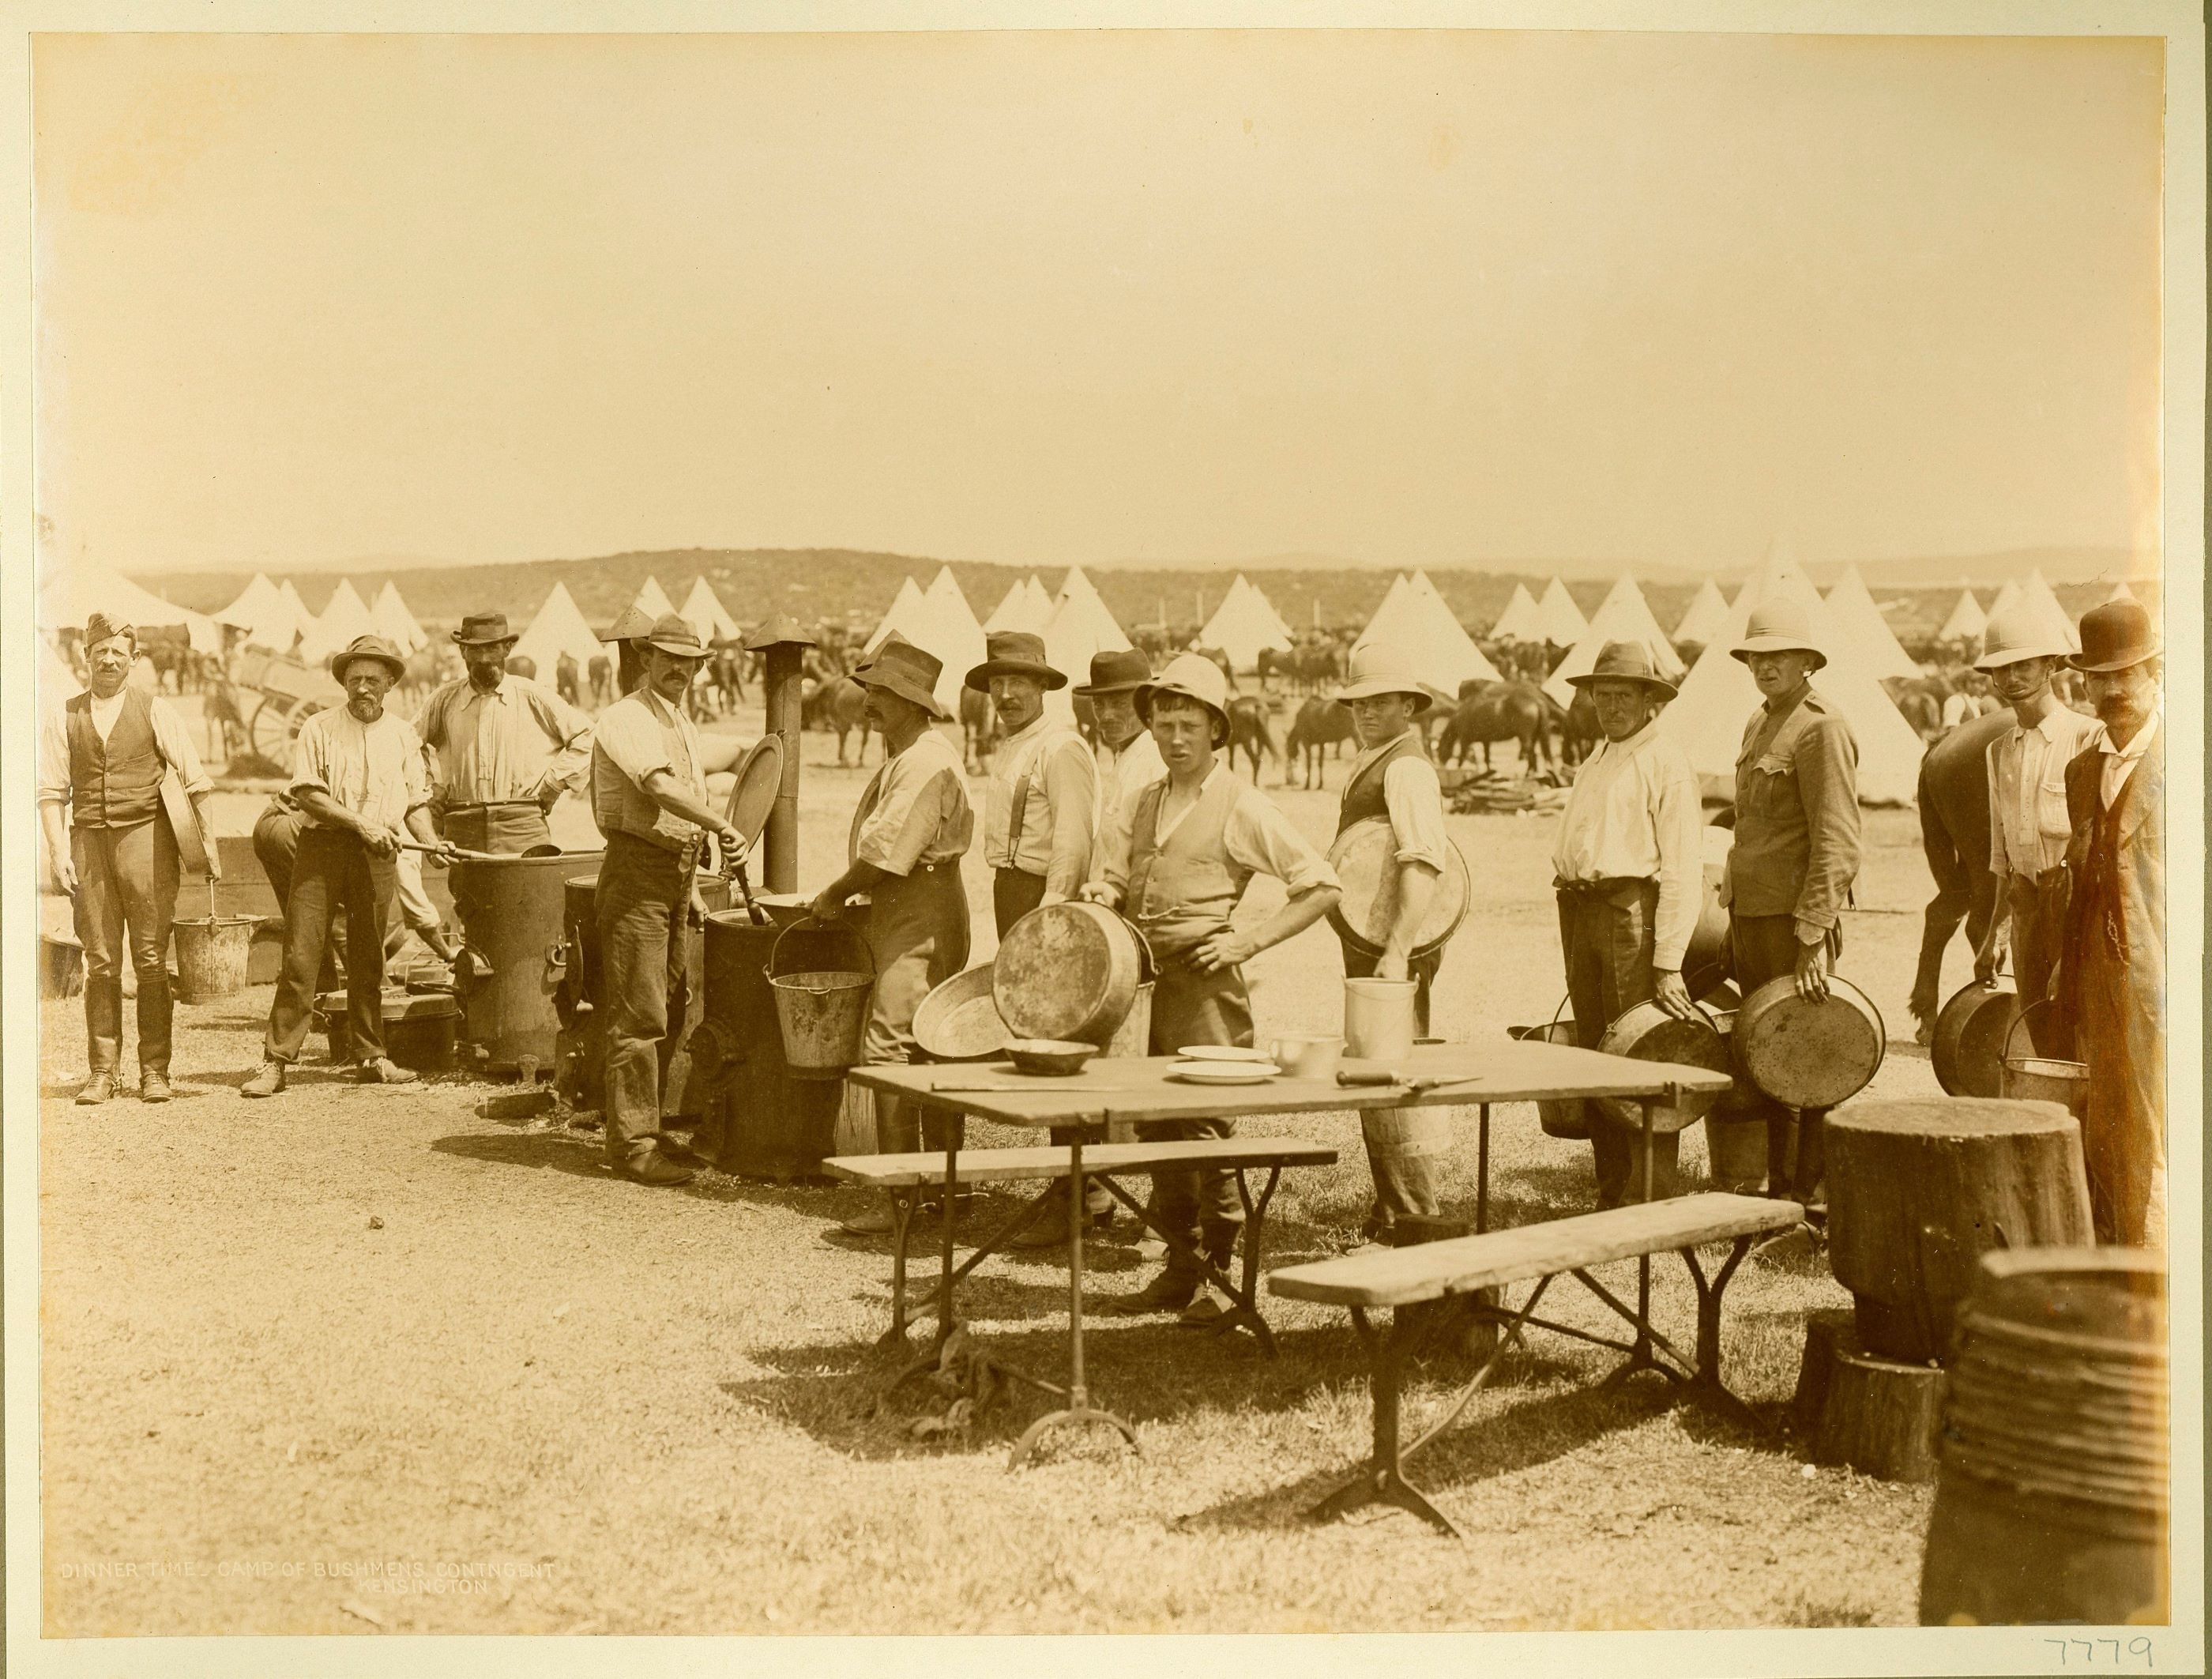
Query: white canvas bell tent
{"type": "Point", "coordinates": [267, 616]}
{"type": "Point", "coordinates": [2038, 594]}
{"type": "Point", "coordinates": [300, 615]}
{"type": "Point", "coordinates": [559, 628]}
{"type": "Point", "coordinates": [73, 592]}
{"type": "Point", "coordinates": [343, 621]}
{"type": "Point", "coordinates": [1414, 622]}
{"type": "Point", "coordinates": [1966, 622]}
{"type": "Point", "coordinates": [389, 613]}
{"type": "Point", "coordinates": [1243, 625]}
{"type": "Point", "coordinates": [1707, 612]}
{"type": "Point", "coordinates": [2120, 591]}
{"type": "Point", "coordinates": [958, 638]}
{"type": "Point", "coordinates": [1519, 621]}
{"type": "Point", "coordinates": [1080, 627]}
{"type": "Point", "coordinates": [1017, 609]}
{"type": "Point", "coordinates": [56, 680]}
{"type": "Point", "coordinates": [1718, 697]}
{"type": "Point", "coordinates": [1859, 621]}
{"type": "Point", "coordinates": [907, 612]}
{"type": "Point", "coordinates": [1622, 616]}
{"type": "Point", "coordinates": [1561, 621]}
{"type": "Point", "coordinates": [704, 611]}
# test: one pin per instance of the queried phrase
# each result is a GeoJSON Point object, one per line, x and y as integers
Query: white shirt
{"type": "Point", "coordinates": [1059, 814]}
{"type": "Point", "coordinates": [1634, 814]}
{"type": "Point", "coordinates": [2028, 824]}
{"type": "Point", "coordinates": [1121, 776]}
{"type": "Point", "coordinates": [1415, 800]}
{"type": "Point", "coordinates": [2120, 762]}
{"type": "Point", "coordinates": [374, 770]}
{"type": "Point", "coordinates": [170, 739]}
{"type": "Point", "coordinates": [1257, 837]}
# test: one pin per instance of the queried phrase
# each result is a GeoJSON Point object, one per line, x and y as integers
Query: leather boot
{"type": "Point", "coordinates": [382, 1070]}
{"type": "Point", "coordinates": [96, 1089]}
{"type": "Point", "coordinates": [153, 1084]}
{"type": "Point", "coordinates": [267, 1082]}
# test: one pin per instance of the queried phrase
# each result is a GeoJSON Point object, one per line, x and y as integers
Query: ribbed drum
{"type": "Point", "coordinates": [2051, 1504]}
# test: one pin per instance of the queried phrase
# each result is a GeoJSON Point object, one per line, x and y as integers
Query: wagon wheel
{"type": "Point", "coordinates": [276, 726]}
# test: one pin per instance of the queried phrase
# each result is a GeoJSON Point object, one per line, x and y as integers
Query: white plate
{"type": "Point", "coordinates": [1225, 1071]}
{"type": "Point", "coordinates": [1223, 1052]}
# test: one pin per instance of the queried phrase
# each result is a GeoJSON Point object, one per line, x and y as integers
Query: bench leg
{"type": "Point", "coordinates": [1079, 1409]}
{"type": "Point", "coordinates": [1384, 1481]}
{"type": "Point", "coordinates": [1706, 1385]}
{"type": "Point", "coordinates": [1246, 1310]}
{"type": "Point", "coordinates": [956, 1125]}
{"type": "Point", "coordinates": [902, 1204]}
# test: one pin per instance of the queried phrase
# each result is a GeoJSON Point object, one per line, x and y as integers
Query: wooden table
{"type": "Point", "coordinates": [1142, 1089]}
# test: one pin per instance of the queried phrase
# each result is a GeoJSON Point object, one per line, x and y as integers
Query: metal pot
{"type": "Point", "coordinates": [515, 955]}
{"type": "Point", "coordinates": [1647, 1032]}
{"type": "Point", "coordinates": [1808, 1054]}
{"type": "Point", "coordinates": [1968, 1048]}
{"type": "Point", "coordinates": [1068, 970]}
{"type": "Point", "coordinates": [1705, 965]}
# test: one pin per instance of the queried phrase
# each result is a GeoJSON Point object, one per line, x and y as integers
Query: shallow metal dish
{"type": "Point", "coordinates": [1048, 1056]}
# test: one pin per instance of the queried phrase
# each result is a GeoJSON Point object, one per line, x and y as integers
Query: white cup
{"type": "Point", "coordinates": [1308, 1057]}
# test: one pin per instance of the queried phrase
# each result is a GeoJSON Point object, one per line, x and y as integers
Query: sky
{"type": "Point", "coordinates": [1416, 298]}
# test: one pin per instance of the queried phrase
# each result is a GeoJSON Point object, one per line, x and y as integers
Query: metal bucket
{"type": "Point", "coordinates": [212, 956]}
{"type": "Point", "coordinates": [61, 966]}
{"type": "Point", "coordinates": [1966, 1047]}
{"type": "Point", "coordinates": [1568, 1118]}
{"type": "Point", "coordinates": [2033, 1078]}
{"type": "Point", "coordinates": [1378, 1018]}
{"type": "Point", "coordinates": [823, 1013]}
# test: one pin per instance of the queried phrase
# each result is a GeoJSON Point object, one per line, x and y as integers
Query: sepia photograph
{"type": "Point", "coordinates": [906, 825]}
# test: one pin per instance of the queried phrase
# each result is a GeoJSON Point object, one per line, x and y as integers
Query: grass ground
{"type": "Point", "coordinates": [359, 1360]}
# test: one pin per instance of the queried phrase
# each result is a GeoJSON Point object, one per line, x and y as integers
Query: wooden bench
{"type": "Point", "coordinates": [1396, 1277]}
{"type": "Point", "coordinates": [906, 1175]}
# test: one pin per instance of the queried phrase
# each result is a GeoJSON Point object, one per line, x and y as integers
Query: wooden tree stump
{"type": "Point", "coordinates": [1919, 1189]}
{"type": "Point", "coordinates": [1881, 1417]}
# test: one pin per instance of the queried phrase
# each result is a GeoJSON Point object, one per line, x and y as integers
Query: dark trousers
{"type": "Point", "coordinates": [1764, 948]}
{"type": "Point", "coordinates": [332, 870]}
{"type": "Point", "coordinates": [1188, 1006]}
{"type": "Point", "coordinates": [126, 887]}
{"type": "Point", "coordinates": [644, 902]}
{"type": "Point", "coordinates": [276, 848]}
{"type": "Point", "coordinates": [2036, 906]}
{"type": "Point", "coordinates": [1607, 938]}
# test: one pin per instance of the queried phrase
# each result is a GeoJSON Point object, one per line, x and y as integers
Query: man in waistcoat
{"type": "Point", "coordinates": [2029, 824]}
{"type": "Point", "coordinates": [649, 798]}
{"type": "Point", "coordinates": [361, 783]}
{"type": "Point", "coordinates": [913, 825]}
{"type": "Point", "coordinates": [2111, 980]}
{"type": "Point", "coordinates": [101, 759]}
{"type": "Point", "coordinates": [1628, 871]}
{"type": "Point", "coordinates": [1392, 782]}
{"type": "Point", "coordinates": [1795, 854]}
{"type": "Point", "coordinates": [1127, 758]}
{"type": "Point", "coordinates": [1195, 840]}
{"type": "Point", "coordinates": [508, 746]}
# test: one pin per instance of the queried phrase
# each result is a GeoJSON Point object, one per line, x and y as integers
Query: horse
{"type": "Point", "coordinates": [1249, 732]}
{"type": "Point", "coordinates": [728, 667]}
{"type": "Point", "coordinates": [564, 677]}
{"type": "Point", "coordinates": [979, 727]}
{"type": "Point", "coordinates": [1954, 834]}
{"type": "Point", "coordinates": [1578, 727]}
{"type": "Point", "coordinates": [1490, 712]}
{"type": "Point", "coordinates": [601, 674]}
{"type": "Point", "coordinates": [1320, 723]}
{"type": "Point", "coordinates": [523, 665]}
{"type": "Point", "coordinates": [839, 706]}
{"type": "Point", "coordinates": [1318, 663]}
{"type": "Point", "coordinates": [224, 721]}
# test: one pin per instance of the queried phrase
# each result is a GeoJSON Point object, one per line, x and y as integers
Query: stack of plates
{"type": "Point", "coordinates": [1221, 1064]}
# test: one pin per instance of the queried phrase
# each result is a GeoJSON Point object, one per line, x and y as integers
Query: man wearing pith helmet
{"type": "Point", "coordinates": [1796, 851]}
{"type": "Point", "coordinates": [102, 757]}
{"type": "Point", "coordinates": [1628, 870]}
{"type": "Point", "coordinates": [2112, 980]}
{"type": "Point", "coordinates": [1392, 782]}
{"type": "Point", "coordinates": [1195, 840]}
{"type": "Point", "coordinates": [2028, 822]}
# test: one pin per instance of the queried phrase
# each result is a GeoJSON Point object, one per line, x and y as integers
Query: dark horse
{"type": "Point", "coordinates": [979, 727]}
{"type": "Point", "coordinates": [1954, 832]}
{"type": "Point", "coordinates": [1320, 723]}
{"type": "Point", "coordinates": [839, 705]}
{"type": "Point", "coordinates": [1490, 712]}
{"type": "Point", "coordinates": [1249, 732]}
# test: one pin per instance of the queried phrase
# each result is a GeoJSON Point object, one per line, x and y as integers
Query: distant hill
{"type": "Point", "coordinates": [838, 584]}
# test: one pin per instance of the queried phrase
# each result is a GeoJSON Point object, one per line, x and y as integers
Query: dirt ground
{"type": "Point", "coordinates": [359, 1360]}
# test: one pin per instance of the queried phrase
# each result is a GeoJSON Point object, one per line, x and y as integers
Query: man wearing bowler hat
{"type": "Point", "coordinates": [508, 746]}
{"type": "Point", "coordinates": [2029, 824]}
{"type": "Point", "coordinates": [913, 826]}
{"type": "Point", "coordinates": [359, 781]}
{"type": "Point", "coordinates": [102, 757]}
{"type": "Point", "coordinates": [2111, 979]}
{"type": "Point", "coordinates": [1796, 852]}
{"type": "Point", "coordinates": [649, 798]}
{"type": "Point", "coordinates": [1129, 760]}
{"type": "Point", "coordinates": [1392, 781]}
{"type": "Point", "coordinates": [1628, 870]}
{"type": "Point", "coordinates": [1195, 840]}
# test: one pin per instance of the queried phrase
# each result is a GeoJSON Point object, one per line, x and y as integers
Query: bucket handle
{"type": "Point", "coordinates": [1148, 966]}
{"type": "Point", "coordinates": [2004, 1052]}
{"type": "Point", "coordinates": [866, 955]}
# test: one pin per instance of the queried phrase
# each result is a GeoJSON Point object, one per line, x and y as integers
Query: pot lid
{"type": "Point", "coordinates": [760, 777]}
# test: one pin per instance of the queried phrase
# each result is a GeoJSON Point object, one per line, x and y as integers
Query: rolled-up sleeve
{"type": "Point", "coordinates": [1415, 800]}
{"type": "Point", "coordinates": [1999, 864]}
{"type": "Point", "coordinates": [1260, 837]}
{"type": "Point", "coordinates": [177, 750]}
{"type": "Point", "coordinates": [908, 811]}
{"type": "Point", "coordinates": [630, 739]}
{"type": "Point", "coordinates": [1826, 761]}
{"type": "Point", "coordinates": [311, 756]}
{"type": "Point", "coordinates": [1070, 785]}
{"type": "Point", "coordinates": [570, 730]}
{"type": "Point", "coordinates": [1678, 824]}
{"type": "Point", "coordinates": [414, 766]}
{"type": "Point", "coordinates": [53, 756]}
